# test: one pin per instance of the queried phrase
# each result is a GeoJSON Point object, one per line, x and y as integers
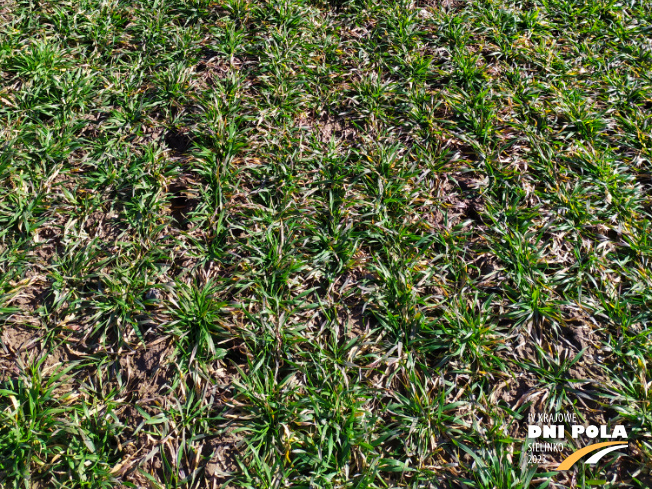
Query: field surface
{"type": "Point", "coordinates": [322, 243]}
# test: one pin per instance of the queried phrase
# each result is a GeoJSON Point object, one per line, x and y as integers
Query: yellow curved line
{"type": "Point", "coordinates": [574, 457]}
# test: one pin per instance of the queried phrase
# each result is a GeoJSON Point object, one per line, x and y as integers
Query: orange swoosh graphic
{"type": "Point", "coordinates": [574, 457]}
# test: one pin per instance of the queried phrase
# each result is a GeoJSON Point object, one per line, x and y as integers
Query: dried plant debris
{"type": "Point", "coordinates": [315, 243]}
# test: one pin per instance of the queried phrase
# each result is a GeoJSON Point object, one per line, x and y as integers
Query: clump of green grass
{"type": "Point", "coordinates": [53, 433]}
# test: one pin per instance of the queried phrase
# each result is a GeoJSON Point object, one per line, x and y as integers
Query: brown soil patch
{"type": "Point", "coordinates": [22, 345]}
{"type": "Point", "coordinates": [19, 338]}
{"type": "Point", "coordinates": [146, 368]}
{"type": "Point", "coordinates": [222, 463]}
{"type": "Point", "coordinates": [185, 199]}
{"type": "Point", "coordinates": [336, 128]}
